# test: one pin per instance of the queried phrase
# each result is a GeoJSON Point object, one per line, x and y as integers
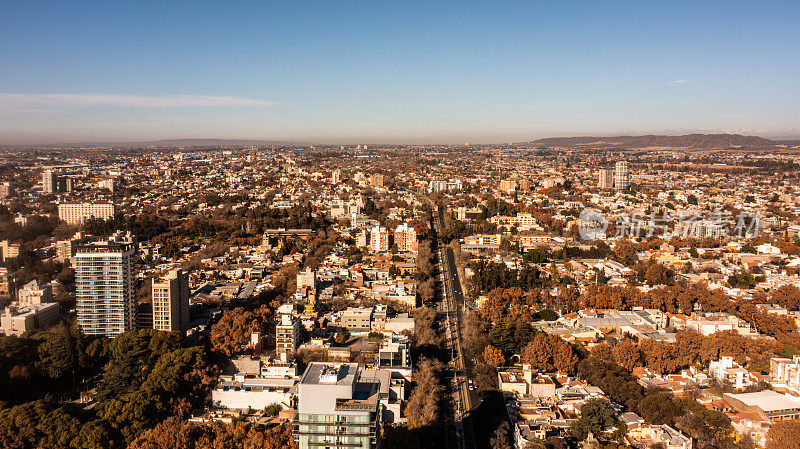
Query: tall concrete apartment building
{"type": "Point", "coordinates": [104, 285]}
{"type": "Point", "coordinates": [606, 178]}
{"type": "Point", "coordinates": [77, 213]}
{"type": "Point", "coordinates": [405, 237]}
{"type": "Point", "coordinates": [170, 296]}
{"type": "Point", "coordinates": [338, 407]}
{"type": "Point", "coordinates": [6, 190]}
{"type": "Point", "coordinates": [52, 183]}
{"type": "Point", "coordinates": [287, 333]}
{"type": "Point", "coordinates": [379, 239]}
{"type": "Point", "coordinates": [508, 185]}
{"type": "Point", "coordinates": [621, 176]}
{"type": "Point", "coordinates": [49, 181]}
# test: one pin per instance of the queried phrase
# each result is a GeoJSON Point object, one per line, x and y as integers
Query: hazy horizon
{"type": "Point", "coordinates": [411, 73]}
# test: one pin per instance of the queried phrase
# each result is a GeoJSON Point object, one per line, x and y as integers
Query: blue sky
{"type": "Point", "coordinates": [342, 71]}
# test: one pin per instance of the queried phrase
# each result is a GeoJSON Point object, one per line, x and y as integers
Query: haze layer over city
{"type": "Point", "coordinates": [360, 225]}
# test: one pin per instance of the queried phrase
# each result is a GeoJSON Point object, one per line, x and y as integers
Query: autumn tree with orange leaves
{"type": "Point", "coordinates": [231, 334]}
{"type": "Point", "coordinates": [627, 355]}
{"type": "Point", "coordinates": [548, 353]}
{"type": "Point", "coordinates": [493, 356]}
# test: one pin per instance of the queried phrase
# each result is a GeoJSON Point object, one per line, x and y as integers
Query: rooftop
{"type": "Point", "coordinates": [767, 400]}
{"type": "Point", "coordinates": [332, 374]}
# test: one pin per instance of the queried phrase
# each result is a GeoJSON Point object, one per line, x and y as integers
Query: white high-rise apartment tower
{"type": "Point", "coordinates": [49, 182]}
{"type": "Point", "coordinates": [104, 278]}
{"type": "Point", "coordinates": [621, 176]}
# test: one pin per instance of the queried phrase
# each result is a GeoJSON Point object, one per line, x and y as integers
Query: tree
{"type": "Point", "coordinates": [57, 357]}
{"type": "Point", "coordinates": [273, 409]}
{"type": "Point", "coordinates": [659, 356]}
{"type": "Point", "coordinates": [175, 434]}
{"type": "Point", "coordinates": [547, 315]}
{"type": "Point", "coordinates": [742, 279]}
{"type": "Point", "coordinates": [627, 355]}
{"type": "Point", "coordinates": [425, 327]}
{"type": "Point", "coordinates": [422, 408]}
{"type": "Point", "coordinates": [784, 435]}
{"type": "Point", "coordinates": [615, 380]}
{"type": "Point", "coordinates": [535, 443]}
{"type": "Point", "coordinates": [659, 408]}
{"type": "Point", "coordinates": [603, 352]}
{"type": "Point", "coordinates": [548, 353]}
{"type": "Point", "coordinates": [596, 416]}
{"type": "Point", "coordinates": [500, 437]}
{"type": "Point", "coordinates": [493, 356]}
{"type": "Point", "coordinates": [133, 354]}
{"type": "Point", "coordinates": [787, 296]}
{"type": "Point", "coordinates": [172, 433]}
{"type": "Point", "coordinates": [231, 334]}
{"type": "Point", "coordinates": [658, 274]}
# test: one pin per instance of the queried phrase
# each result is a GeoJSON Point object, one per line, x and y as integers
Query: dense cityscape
{"type": "Point", "coordinates": [527, 296]}
{"type": "Point", "coordinates": [399, 225]}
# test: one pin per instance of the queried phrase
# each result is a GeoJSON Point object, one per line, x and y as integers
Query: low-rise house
{"type": "Point", "coordinates": [648, 435]}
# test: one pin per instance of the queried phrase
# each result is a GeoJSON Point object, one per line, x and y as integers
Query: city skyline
{"type": "Point", "coordinates": [411, 73]}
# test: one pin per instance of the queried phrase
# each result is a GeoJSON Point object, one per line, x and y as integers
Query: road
{"type": "Point", "coordinates": [463, 393]}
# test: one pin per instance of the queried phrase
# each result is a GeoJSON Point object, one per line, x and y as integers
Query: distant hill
{"type": "Point", "coordinates": [700, 141]}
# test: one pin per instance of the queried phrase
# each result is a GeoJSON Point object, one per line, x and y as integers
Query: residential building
{"type": "Point", "coordinates": [405, 237]}
{"type": "Point", "coordinates": [107, 184]}
{"type": "Point", "coordinates": [33, 293]}
{"type": "Point", "coordinates": [362, 239]}
{"type": "Point", "coordinates": [357, 319]}
{"type": "Point", "coordinates": [253, 392]}
{"type": "Point", "coordinates": [9, 250]}
{"type": "Point", "coordinates": [661, 434]}
{"type": "Point", "coordinates": [508, 185]}
{"type": "Point", "coordinates": [621, 176]}
{"type": "Point", "coordinates": [287, 333]}
{"type": "Point", "coordinates": [489, 239]}
{"type": "Point", "coordinates": [716, 322]}
{"type": "Point", "coordinates": [785, 371]}
{"type": "Point", "coordinates": [65, 249]}
{"type": "Point", "coordinates": [379, 239]}
{"type": "Point", "coordinates": [464, 213]}
{"type": "Point", "coordinates": [49, 182]}
{"type": "Point", "coordinates": [16, 320]}
{"type": "Point", "coordinates": [727, 371]}
{"type": "Point", "coordinates": [6, 283]}
{"type": "Point", "coordinates": [338, 407]}
{"type": "Point", "coordinates": [443, 186]}
{"type": "Point", "coordinates": [77, 213]}
{"type": "Point", "coordinates": [104, 285]}
{"type": "Point", "coordinates": [394, 354]}
{"type": "Point", "coordinates": [606, 178]}
{"type": "Point", "coordinates": [553, 181]}
{"type": "Point", "coordinates": [376, 180]}
{"type": "Point", "coordinates": [170, 296]}
{"type": "Point", "coordinates": [6, 190]}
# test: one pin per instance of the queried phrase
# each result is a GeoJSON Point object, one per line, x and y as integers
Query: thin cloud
{"type": "Point", "coordinates": [680, 81]}
{"type": "Point", "coordinates": [61, 101]}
